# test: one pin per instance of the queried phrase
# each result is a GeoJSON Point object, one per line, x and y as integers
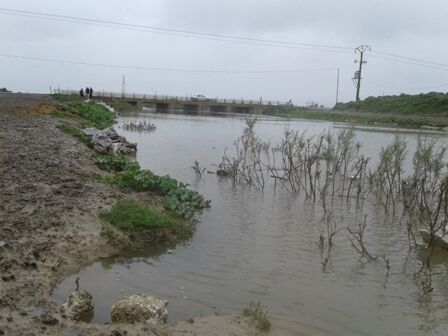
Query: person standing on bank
{"type": "Point", "coordinates": [90, 93]}
{"type": "Point", "coordinates": [87, 92]}
{"type": "Point", "coordinates": [81, 92]}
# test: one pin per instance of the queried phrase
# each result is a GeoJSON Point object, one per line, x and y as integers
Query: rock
{"type": "Point", "coordinates": [101, 143]}
{"type": "Point", "coordinates": [111, 133]}
{"type": "Point", "coordinates": [48, 319]}
{"type": "Point", "coordinates": [78, 306]}
{"type": "Point", "coordinates": [108, 141]}
{"type": "Point", "coordinates": [115, 332]}
{"type": "Point", "coordinates": [140, 308]}
{"type": "Point", "coordinates": [90, 132]}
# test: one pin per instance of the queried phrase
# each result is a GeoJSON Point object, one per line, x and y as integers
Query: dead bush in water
{"type": "Point", "coordinates": [387, 178]}
{"type": "Point", "coordinates": [197, 169]}
{"type": "Point", "coordinates": [140, 126]}
{"type": "Point", "coordinates": [247, 163]}
{"type": "Point", "coordinates": [320, 165]}
{"type": "Point", "coordinates": [325, 243]}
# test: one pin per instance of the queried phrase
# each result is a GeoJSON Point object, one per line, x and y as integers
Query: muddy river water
{"type": "Point", "coordinates": [254, 246]}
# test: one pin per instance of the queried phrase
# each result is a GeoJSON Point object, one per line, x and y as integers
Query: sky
{"type": "Point", "coordinates": [242, 68]}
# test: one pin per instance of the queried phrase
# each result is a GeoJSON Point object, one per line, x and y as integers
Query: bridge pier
{"type": "Point", "coordinates": [162, 107]}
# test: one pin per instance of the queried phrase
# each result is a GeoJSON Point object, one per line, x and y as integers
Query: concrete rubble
{"type": "Point", "coordinates": [108, 141]}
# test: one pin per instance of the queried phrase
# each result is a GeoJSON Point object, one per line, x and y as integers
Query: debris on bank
{"type": "Point", "coordinates": [108, 141]}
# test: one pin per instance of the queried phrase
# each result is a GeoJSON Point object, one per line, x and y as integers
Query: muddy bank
{"type": "Point", "coordinates": [49, 205]}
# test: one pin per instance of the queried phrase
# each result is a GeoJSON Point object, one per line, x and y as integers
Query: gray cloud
{"type": "Point", "coordinates": [406, 27]}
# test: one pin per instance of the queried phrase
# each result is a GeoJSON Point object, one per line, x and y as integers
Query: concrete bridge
{"type": "Point", "coordinates": [163, 103]}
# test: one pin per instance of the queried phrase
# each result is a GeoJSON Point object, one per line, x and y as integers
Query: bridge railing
{"type": "Point", "coordinates": [168, 98]}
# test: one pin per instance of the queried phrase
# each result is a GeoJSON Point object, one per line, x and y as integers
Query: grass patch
{"type": "Point", "coordinates": [133, 216]}
{"type": "Point", "coordinates": [258, 317]}
{"type": "Point", "coordinates": [75, 132]}
{"type": "Point", "coordinates": [97, 115]}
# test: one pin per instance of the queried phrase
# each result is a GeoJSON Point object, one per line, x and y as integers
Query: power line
{"type": "Point", "coordinates": [406, 89]}
{"type": "Point", "coordinates": [178, 32]}
{"type": "Point", "coordinates": [418, 60]}
{"type": "Point", "coordinates": [402, 61]}
{"type": "Point", "coordinates": [136, 67]}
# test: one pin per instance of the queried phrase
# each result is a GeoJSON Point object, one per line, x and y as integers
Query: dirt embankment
{"type": "Point", "coordinates": [49, 226]}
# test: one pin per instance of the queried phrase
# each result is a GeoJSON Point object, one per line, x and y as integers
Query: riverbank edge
{"type": "Point", "coordinates": [78, 242]}
{"type": "Point", "coordinates": [419, 122]}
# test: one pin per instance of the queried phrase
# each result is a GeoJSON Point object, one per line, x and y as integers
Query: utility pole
{"type": "Point", "coordinates": [337, 88]}
{"type": "Point", "coordinates": [358, 74]}
{"type": "Point", "coordinates": [123, 87]}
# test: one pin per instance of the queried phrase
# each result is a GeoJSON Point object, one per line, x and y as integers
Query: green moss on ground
{"type": "Point", "coordinates": [134, 217]}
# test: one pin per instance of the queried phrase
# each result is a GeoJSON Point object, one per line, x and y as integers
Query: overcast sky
{"type": "Point", "coordinates": [412, 28]}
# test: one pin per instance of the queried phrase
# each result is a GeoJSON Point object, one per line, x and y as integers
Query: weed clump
{"type": "Point", "coordinates": [258, 317]}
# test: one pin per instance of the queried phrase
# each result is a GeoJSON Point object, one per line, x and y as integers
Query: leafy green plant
{"type": "Point", "coordinates": [179, 200]}
{"type": "Point", "coordinates": [258, 317]}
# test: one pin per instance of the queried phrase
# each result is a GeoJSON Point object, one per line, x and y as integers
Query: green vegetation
{"type": "Point", "coordinates": [366, 118]}
{"type": "Point", "coordinates": [179, 200]}
{"type": "Point", "coordinates": [75, 132]}
{"type": "Point", "coordinates": [432, 104]}
{"type": "Point", "coordinates": [98, 116]}
{"type": "Point", "coordinates": [116, 163]}
{"type": "Point", "coordinates": [414, 111]}
{"type": "Point", "coordinates": [132, 216]}
{"type": "Point", "coordinates": [258, 317]}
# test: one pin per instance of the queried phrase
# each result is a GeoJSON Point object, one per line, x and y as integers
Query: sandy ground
{"type": "Point", "coordinates": [49, 227]}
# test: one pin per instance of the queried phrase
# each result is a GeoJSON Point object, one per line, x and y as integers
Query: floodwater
{"type": "Point", "coordinates": [254, 246]}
